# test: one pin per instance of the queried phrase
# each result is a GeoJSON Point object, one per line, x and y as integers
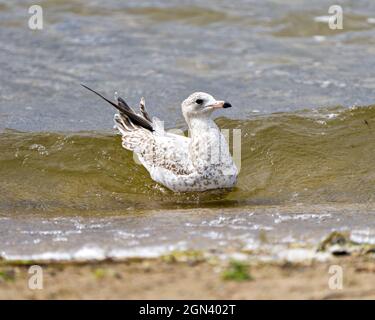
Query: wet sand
{"type": "Point", "coordinates": [166, 278]}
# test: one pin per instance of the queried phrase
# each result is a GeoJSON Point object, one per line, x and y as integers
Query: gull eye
{"type": "Point", "coordinates": [199, 101]}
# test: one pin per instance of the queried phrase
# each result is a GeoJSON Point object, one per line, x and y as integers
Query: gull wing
{"type": "Point", "coordinates": [156, 149]}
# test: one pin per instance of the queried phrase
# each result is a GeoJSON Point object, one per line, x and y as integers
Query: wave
{"type": "Point", "coordinates": [310, 156]}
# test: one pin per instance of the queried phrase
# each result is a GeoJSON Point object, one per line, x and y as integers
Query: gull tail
{"type": "Point", "coordinates": [127, 119]}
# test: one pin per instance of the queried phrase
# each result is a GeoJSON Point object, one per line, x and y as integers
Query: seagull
{"type": "Point", "coordinates": [199, 162]}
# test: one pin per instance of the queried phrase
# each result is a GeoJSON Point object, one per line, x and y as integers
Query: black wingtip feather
{"type": "Point", "coordinates": [125, 109]}
{"type": "Point", "coordinates": [122, 101]}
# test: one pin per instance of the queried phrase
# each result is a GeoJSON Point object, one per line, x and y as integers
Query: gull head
{"type": "Point", "coordinates": [201, 104]}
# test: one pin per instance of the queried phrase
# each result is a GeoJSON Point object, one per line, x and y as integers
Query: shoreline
{"type": "Point", "coordinates": [189, 278]}
{"type": "Point", "coordinates": [338, 268]}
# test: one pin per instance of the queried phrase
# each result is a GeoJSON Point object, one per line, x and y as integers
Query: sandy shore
{"type": "Point", "coordinates": [170, 279]}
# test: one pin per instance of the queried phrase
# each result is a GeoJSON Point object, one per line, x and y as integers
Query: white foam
{"type": "Point", "coordinates": [301, 255]}
{"type": "Point", "coordinates": [319, 38]}
{"type": "Point", "coordinates": [92, 252]}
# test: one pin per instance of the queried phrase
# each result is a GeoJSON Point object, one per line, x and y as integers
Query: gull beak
{"type": "Point", "coordinates": [220, 104]}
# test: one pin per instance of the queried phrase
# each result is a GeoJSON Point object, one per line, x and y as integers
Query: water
{"type": "Point", "coordinates": [302, 94]}
{"type": "Point", "coordinates": [270, 231]}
